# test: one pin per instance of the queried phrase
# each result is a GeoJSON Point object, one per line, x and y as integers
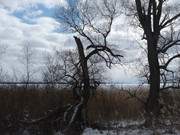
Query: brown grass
{"type": "Point", "coordinates": [114, 105]}
{"type": "Point", "coordinates": [35, 101]}
{"type": "Point", "coordinates": [107, 105]}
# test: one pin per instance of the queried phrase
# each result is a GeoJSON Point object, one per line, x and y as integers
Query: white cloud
{"type": "Point", "coordinates": [14, 32]}
{"type": "Point", "coordinates": [42, 35]}
{"type": "Point", "coordinates": [14, 5]}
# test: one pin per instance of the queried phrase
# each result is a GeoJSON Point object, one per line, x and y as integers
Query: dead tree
{"type": "Point", "coordinates": [177, 75]}
{"type": "Point", "coordinates": [3, 75]}
{"type": "Point", "coordinates": [27, 59]}
{"type": "Point", "coordinates": [63, 67]}
{"type": "Point", "coordinates": [83, 18]}
{"type": "Point", "coordinates": [156, 17]}
{"type": "Point", "coordinates": [91, 22]}
{"type": "Point", "coordinates": [66, 67]}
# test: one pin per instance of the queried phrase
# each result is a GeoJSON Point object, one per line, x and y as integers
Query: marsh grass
{"type": "Point", "coordinates": [18, 103]}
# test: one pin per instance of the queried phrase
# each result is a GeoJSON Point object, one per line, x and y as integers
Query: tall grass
{"type": "Point", "coordinates": [114, 105]}
{"type": "Point", "coordinates": [18, 103]}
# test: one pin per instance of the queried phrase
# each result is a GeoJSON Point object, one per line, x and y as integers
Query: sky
{"type": "Point", "coordinates": [33, 22]}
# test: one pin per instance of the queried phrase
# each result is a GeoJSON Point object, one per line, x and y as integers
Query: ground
{"type": "Point", "coordinates": [130, 128]}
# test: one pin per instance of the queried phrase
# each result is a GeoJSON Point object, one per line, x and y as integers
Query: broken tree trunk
{"type": "Point", "coordinates": [86, 81]}
{"type": "Point", "coordinates": [74, 117]}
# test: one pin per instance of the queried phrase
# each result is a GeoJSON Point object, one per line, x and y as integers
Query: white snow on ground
{"type": "Point", "coordinates": [131, 127]}
{"type": "Point", "coordinates": [128, 127]}
{"type": "Point", "coordinates": [125, 123]}
{"type": "Point", "coordinates": [90, 131]}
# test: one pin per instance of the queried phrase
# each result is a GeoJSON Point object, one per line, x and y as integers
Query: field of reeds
{"type": "Point", "coordinates": [18, 103]}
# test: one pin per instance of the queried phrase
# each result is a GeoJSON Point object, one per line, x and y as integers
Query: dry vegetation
{"type": "Point", "coordinates": [114, 105]}
{"type": "Point", "coordinates": [107, 105]}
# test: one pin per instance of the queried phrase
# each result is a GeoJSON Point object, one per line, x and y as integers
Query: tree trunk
{"type": "Point", "coordinates": [152, 106]}
{"type": "Point", "coordinates": [86, 81]}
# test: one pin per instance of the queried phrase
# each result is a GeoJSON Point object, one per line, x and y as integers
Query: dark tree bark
{"type": "Point", "coordinates": [86, 81]}
{"type": "Point", "coordinates": [152, 106]}
{"type": "Point", "coordinates": [81, 116]}
{"type": "Point", "coordinates": [153, 21]}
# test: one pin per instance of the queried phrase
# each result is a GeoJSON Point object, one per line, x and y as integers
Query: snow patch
{"type": "Point", "coordinates": [90, 131]}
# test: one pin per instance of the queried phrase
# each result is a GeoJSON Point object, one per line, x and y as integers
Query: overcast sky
{"type": "Point", "coordinates": [33, 21]}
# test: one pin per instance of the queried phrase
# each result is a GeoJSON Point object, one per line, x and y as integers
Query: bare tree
{"type": "Point", "coordinates": [3, 74]}
{"type": "Point", "coordinates": [53, 68]}
{"type": "Point", "coordinates": [62, 67]}
{"type": "Point", "coordinates": [141, 68]}
{"type": "Point", "coordinates": [27, 59]}
{"type": "Point", "coordinates": [177, 75]}
{"type": "Point", "coordinates": [92, 22]}
{"type": "Point", "coordinates": [158, 20]}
